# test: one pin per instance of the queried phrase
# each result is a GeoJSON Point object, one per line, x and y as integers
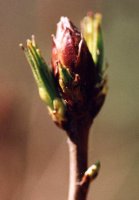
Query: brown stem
{"type": "Point", "coordinates": [78, 150]}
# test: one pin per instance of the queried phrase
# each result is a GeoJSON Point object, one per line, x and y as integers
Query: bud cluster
{"type": "Point", "coordinates": [74, 88]}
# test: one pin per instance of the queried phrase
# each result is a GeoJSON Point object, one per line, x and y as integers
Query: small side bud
{"type": "Point", "coordinates": [93, 170]}
{"type": "Point", "coordinates": [90, 174]}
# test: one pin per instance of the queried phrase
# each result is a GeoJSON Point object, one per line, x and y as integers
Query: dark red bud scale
{"type": "Point", "coordinates": [70, 51]}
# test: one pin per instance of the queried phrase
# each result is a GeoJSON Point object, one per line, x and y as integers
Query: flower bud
{"type": "Point", "coordinates": [72, 61]}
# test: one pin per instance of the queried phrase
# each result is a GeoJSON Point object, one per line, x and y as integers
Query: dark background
{"type": "Point", "coordinates": [33, 151]}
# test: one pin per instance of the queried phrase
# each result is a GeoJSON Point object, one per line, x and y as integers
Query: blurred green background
{"type": "Point", "coordinates": [33, 151]}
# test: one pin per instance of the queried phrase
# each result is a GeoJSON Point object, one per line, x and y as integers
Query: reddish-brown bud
{"type": "Point", "coordinates": [70, 52]}
{"type": "Point", "coordinates": [66, 44]}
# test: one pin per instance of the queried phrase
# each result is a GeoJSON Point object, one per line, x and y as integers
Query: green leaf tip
{"type": "Point", "coordinates": [65, 77]}
{"type": "Point", "coordinates": [92, 33]}
{"type": "Point", "coordinates": [44, 78]}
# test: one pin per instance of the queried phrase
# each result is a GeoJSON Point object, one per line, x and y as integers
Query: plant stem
{"type": "Point", "coordinates": [78, 161]}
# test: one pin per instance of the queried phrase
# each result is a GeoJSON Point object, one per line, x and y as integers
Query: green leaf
{"type": "Point", "coordinates": [91, 29]}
